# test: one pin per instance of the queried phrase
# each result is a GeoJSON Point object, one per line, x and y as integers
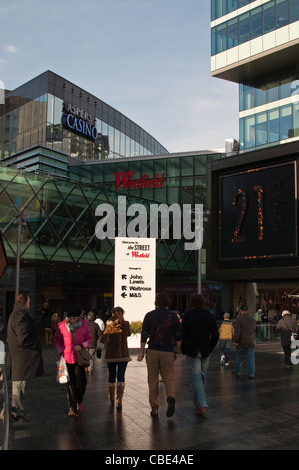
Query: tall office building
{"type": "Point", "coordinates": [255, 43]}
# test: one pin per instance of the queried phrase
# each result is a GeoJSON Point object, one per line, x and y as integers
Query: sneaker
{"type": "Point", "coordinates": [222, 359]}
{"type": "Point", "coordinates": [226, 364]}
{"type": "Point", "coordinates": [171, 406]}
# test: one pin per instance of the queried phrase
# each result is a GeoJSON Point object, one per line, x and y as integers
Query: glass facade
{"type": "Point", "coordinates": [60, 219]}
{"type": "Point", "coordinates": [269, 107]}
{"type": "Point", "coordinates": [251, 24]}
{"type": "Point", "coordinates": [53, 112]}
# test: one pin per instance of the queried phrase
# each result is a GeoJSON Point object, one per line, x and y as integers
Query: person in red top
{"type": "Point", "coordinates": [63, 342]}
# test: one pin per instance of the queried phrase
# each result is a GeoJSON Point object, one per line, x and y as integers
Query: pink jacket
{"type": "Point", "coordinates": [64, 344]}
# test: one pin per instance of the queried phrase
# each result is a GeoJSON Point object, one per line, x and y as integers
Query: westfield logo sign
{"type": "Point", "coordinates": [125, 180]}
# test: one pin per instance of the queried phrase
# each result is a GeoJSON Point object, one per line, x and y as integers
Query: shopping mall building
{"type": "Point", "coordinates": [63, 153]}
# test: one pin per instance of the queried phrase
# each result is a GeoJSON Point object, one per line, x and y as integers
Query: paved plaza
{"type": "Point", "coordinates": [243, 414]}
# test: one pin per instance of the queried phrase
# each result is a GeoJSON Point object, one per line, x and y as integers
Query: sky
{"type": "Point", "coordinates": [149, 59]}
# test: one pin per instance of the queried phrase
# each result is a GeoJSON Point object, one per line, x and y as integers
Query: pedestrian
{"type": "Point", "coordinates": [55, 320]}
{"type": "Point", "coordinates": [199, 338]}
{"type": "Point", "coordinates": [72, 335]}
{"type": "Point", "coordinates": [46, 322]}
{"type": "Point", "coordinates": [162, 329]}
{"type": "Point", "coordinates": [100, 322]}
{"type": "Point", "coordinates": [244, 339]}
{"type": "Point", "coordinates": [226, 333]}
{"type": "Point", "coordinates": [96, 334]}
{"type": "Point", "coordinates": [25, 353]}
{"type": "Point", "coordinates": [115, 339]}
{"type": "Point", "coordinates": [286, 326]}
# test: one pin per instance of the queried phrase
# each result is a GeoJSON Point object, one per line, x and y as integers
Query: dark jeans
{"type": "Point", "coordinates": [116, 369]}
{"type": "Point", "coordinates": [76, 386]}
{"type": "Point", "coordinates": [287, 354]}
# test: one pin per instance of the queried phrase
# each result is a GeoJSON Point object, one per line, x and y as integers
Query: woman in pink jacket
{"type": "Point", "coordinates": [63, 342]}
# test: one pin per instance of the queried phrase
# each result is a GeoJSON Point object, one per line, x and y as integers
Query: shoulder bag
{"type": "Point", "coordinates": [83, 356]}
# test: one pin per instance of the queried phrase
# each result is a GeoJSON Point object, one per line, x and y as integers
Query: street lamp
{"type": "Point", "coordinates": [20, 221]}
{"type": "Point", "coordinates": [205, 215]}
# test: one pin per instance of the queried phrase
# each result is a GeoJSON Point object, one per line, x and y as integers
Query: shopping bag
{"type": "Point", "coordinates": [62, 372]}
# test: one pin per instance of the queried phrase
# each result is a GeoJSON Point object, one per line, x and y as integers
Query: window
{"type": "Point", "coordinates": [261, 129]}
{"type": "Point", "coordinates": [269, 17]}
{"type": "Point", "coordinates": [282, 13]}
{"type": "Point", "coordinates": [220, 38]}
{"type": "Point", "coordinates": [256, 23]}
{"type": "Point", "coordinates": [220, 8]}
{"type": "Point", "coordinates": [232, 5]}
{"type": "Point", "coordinates": [272, 91]}
{"type": "Point", "coordinates": [286, 122]}
{"type": "Point", "coordinates": [296, 119]}
{"type": "Point", "coordinates": [285, 88]}
{"type": "Point", "coordinates": [232, 33]}
{"type": "Point", "coordinates": [244, 28]}
{"type": "Point", "coordinates": [273, 125]}
{"type": "Point", "coordinates": [294, 10]}
{"type": "Point", "coordinates": [249, 131]}
{"type": "Point", "coordinates": [248, 96]}
{"type": "Point", "coordinates": [260, 95]}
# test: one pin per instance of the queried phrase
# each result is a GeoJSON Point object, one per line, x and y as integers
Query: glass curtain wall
{"type": "Point", "coordinates": [59, 215]}
{"type": "Point", "coordinates": [33, 115]}
{"type": "Point", "coordinates": [249, 25]}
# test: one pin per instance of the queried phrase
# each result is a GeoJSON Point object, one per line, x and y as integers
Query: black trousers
{"type": "Point", "coordinates": [76, 386]}
{"type": "Point", "coordinates": [287, 354]}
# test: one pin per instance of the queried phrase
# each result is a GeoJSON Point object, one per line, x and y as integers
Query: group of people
{"type": "Point", "coordinates": [162, 331]}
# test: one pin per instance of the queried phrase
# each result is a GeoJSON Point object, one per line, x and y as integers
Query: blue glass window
{"type": "Point", "coordinates": [220, 8]}
{"type": "Point", "coordinates": [221, 38]}
{"type": "Point", "coordinates": [269, 17]}
{"type": "Point", "coordinates": [272, 92]}
{"type": "Point", "coordinates": [286, 122]}
{"type": "Point", "coordinates": [241, 97]}
{"type": "Point", "coordinates": [256, 23]}
{"type": "Point", "coordinates": [260, 96]}
{"type": "Point", "coordinates": [213, 10]}
{"type": "Point", "coordinates": [293, 10]}
{"type": "Point", "coordinates": [244, 28]}
{"type": "Point", "coordinates": [285, 88]}
{"type": "Point", "coordinates": [249, 131]}
{"type": "Point", "coordinates": [273, 125]}
{"type": "Point", "coordinates": [232, 33]}
{"type": "Point", "coordinates": [248, 93]}
{"type": "Point", "coordinates": [213, 41]}
{"type": "Point", "coordinates": [282, 13]}
{"type": "Point", "coordinates": [296, 119]}
{"type": "Point", "coordinates": [232, 5]}
{"type": "Point", "coordinates": [261, 128]}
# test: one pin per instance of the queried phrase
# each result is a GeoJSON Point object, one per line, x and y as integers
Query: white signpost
{"type": "Point", "coordinates": [135, 276]}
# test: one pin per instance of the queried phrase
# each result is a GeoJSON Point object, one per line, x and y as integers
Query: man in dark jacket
{"type": "Point", "coordinates": [199, 338]}
{"type": "Point", "coordinates": [244, 339]}
{"type": "Point", "coordinates": [26, 354]}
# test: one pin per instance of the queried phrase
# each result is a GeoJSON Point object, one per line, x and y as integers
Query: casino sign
{"type": "Point", "coordinates": [79, 121]}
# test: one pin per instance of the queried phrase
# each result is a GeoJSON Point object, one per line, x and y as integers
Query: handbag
{"type": "Point", "coordinates": [62, 372]}
{"type": "Point", "coordinates": [83, 356]}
